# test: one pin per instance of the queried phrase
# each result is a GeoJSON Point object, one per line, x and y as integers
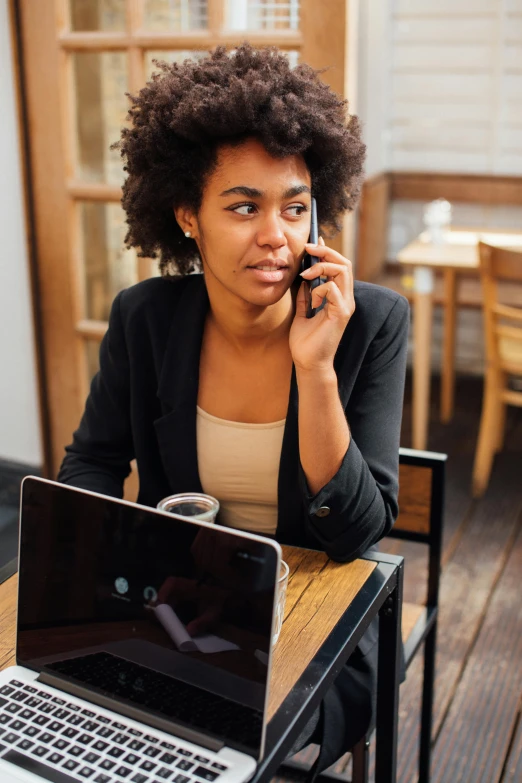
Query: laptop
{"type": "Point", "coordinates": [143, 646]}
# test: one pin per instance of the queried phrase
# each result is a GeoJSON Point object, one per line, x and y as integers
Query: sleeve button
{"type": "Point", "coordinates": [322, 512]}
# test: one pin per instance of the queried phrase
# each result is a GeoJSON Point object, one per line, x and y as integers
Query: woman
{"type": "Point", "coordinates": [218, 382]}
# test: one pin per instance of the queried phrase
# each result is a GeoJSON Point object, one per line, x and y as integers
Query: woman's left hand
{"type": "Point", "coordinates": [314, 341]}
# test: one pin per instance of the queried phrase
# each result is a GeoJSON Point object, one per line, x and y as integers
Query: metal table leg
{"type": "Point", "coordinates": [388, 685]}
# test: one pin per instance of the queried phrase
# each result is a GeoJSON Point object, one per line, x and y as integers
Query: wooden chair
{"type": "Point", "coordinates": [503, 340]}
{"type": "Point", "coordinates": [421, 516]}
{"type": "Point", "coordinates": [421, 519]}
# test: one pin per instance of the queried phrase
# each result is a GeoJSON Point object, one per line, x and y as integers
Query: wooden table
{"type": "Point", "coordinates": [459, 254]}
{"type": "Point", "coordinates": [328, 608]}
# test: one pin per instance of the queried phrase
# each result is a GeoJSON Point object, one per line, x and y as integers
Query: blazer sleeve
{"type": "Point", "coordinates": [99, 457]}
{"type": "Point", "coordinates": [362, 496]}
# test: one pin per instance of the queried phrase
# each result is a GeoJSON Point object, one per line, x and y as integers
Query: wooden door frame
{"type": "Point", "coordinates": [60, 329]}
{"type": "Point", "coordinates": [30, 231]}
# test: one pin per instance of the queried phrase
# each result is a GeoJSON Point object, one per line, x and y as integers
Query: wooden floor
{"type": "Point", "coordinates": [477, 716]}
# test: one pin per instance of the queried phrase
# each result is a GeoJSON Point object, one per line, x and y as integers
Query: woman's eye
{"type": "Point", "coordinates": [245, 209]}
{"type": "Point", "coordinates": [296, 210]}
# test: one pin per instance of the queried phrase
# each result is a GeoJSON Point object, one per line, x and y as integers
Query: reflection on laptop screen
{"type": "Point", "coordinates": [150, 610]}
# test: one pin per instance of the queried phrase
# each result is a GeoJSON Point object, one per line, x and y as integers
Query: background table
{"type": "Point", "coordinates": [328, 608]}
{"type": "Point", "coordinates": [459, 254]}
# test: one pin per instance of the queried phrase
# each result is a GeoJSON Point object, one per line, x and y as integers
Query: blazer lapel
{"type": "Point", "coordinates": [178, 389]}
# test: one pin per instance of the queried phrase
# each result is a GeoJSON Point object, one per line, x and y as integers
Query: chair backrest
{"type": "Point", "coordinates": [421, 519]}
{"type": "Point", "coordinates": [421, 508]}
{"type": "Point", "coordinates": [502, 324]}
{"type": "Point", "coordinates": [500, 263]}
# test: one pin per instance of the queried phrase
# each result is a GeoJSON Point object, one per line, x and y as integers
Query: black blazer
{"type": "Point", "coordinates": [142, 405]}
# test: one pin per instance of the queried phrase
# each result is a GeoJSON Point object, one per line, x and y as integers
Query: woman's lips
{"type": "Point", "coordinates": [269, 274]}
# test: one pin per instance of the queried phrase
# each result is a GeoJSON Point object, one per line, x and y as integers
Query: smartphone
{"type": "Point", "coordinates": [309, 260]}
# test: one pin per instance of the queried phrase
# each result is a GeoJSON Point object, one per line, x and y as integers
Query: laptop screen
{"type": "Point", "coordinates": [162, 614]}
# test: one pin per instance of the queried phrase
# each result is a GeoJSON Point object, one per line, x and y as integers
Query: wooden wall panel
{"type": "Point", "coordinates": [471, 188]}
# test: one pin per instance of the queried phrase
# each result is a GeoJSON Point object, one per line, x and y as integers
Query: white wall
{"type": "Point", "coordinates": [455, 100]}
{"type": "Point", "coordinates": [440, 85]}
{"type": "Point", "coordinates": [19, 425]}
{"type": "Point", "coordinates": [456, 86]}
{"type": "Point", "coordinates": [373, 106]}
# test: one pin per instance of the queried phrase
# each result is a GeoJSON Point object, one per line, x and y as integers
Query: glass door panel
{"type": "Point", "coordinates": [100, 108]}
{"type": "Point", "coordinates": [107, 266]}
{"type": "Point", "coordinates": [76, 83]}
{"type": "Point", "coordinates": [170, 56]}
{"type": "Point", "coordinates": [101, 15]}
{"type": "Point", "coordinates": [262, 14]}
{"type": "Point", "coordinates": [175, 16]}
{"type": "Point", "coordinates": [92, 357]}
{"type": "Point", "coordinates": [293, 57]}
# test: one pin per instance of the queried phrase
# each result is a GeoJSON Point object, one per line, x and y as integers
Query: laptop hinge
{"type": "Point", "coordinates": [171, 727]}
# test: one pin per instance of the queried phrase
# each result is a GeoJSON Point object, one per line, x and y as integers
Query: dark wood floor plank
{"type": "Point", "coordinates": [459, 502]}
{"type": "Point", "coordinates": [469, 577]}
{"type": "Point", "coordinates": [475, 737]}
{"type": "Point", "coordinates": [466, 584]}
{"type": "Point", "coordinates": [513, 770]}
{"type": "Point", "coordinates": [416, 558]}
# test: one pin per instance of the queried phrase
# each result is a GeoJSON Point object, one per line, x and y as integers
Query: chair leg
{"type": "Point", "coordinates": [447, 396]}
{"type": "Point", "coordinates": [501, 417]}
{"type": "Point", "coordinates": [487, 439]}
{"type": "Point", "coordinates": [361, 761]}
{"type": "Point", "coordinates": [428, 686]}
{"type": "Point", "coordinates": [501, 414]}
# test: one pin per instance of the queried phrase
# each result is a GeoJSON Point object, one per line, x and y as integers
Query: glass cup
{"type": "Point", "coordinates": [282, 583]}
{"type": "Point", "coordinates": [193, 505]}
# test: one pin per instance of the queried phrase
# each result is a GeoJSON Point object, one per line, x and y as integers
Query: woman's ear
{"type": "Point", "coordinates": [187, 221]}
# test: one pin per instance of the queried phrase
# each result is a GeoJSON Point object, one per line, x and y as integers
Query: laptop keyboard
{"type": "Point", "coordinates": [175, 700]}
{"type": "Point", "coordinates": [61, 742]}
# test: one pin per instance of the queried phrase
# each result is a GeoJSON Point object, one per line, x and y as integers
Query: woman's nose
{"type": "Point", "coordinates": [271, 231]}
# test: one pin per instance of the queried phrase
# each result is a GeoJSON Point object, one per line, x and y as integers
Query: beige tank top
{"type": "Point", "coordinates": [239, 465]}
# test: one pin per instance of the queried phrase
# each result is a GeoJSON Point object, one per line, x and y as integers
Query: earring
{"type": "Point", "coordinates": [188, 234]}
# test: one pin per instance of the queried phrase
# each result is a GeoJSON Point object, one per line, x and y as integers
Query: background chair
{"type": "Point", "coordinates": [503, 340]}
{"type": "Point", "coordinates": [421, 519]}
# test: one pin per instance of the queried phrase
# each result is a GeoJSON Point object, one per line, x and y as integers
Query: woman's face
{"type": "Point", "coordinates": [253, 223]}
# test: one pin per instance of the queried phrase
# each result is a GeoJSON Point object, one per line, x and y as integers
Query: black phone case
{"type": "Point", "coordinates": [309, 261]}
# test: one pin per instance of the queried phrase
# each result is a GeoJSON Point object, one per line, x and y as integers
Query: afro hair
{"type": "Point", "coordinates": [182, 116]}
